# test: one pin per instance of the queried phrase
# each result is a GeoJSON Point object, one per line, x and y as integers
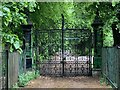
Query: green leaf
{"type": "Point", "coordinates": [12, 40]}
{"type": "Point", "coordinates": [20, 50]}
{"type": "Point", "coordinates": [11, 49]}
{"type": "Point", "coordinates": [17, 45]}
{"type": "Point", "coordinates": [1, 13]}
{"type": "Point", "coordinates": [6, 9]}
{"type": "Point", "coordinates": [113, 4]}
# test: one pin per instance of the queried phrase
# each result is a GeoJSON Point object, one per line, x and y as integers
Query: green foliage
{"type": "Point", "coordinates": [108, 36]}
{"type": "Point", "coordinates": [13, 41]}
{"type": "Point", "coordinates": [76, 15]}
{"type": "Point", "coordinates": [26, 77]}
{"type": "Point", "coordinates": [103, 80]}
{"type": "Point", "coordinates": [13, 15]}
{"type": "Point", "coordinates": [41, 57]}
{"type": "Point", "coordinates": [108, 13]}
{"type": "Point", "coordinates": [15, 86]}
{"type": "Point", "coordinates": [48, 15]}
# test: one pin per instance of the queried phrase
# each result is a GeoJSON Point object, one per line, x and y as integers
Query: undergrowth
{"type": "Point", "coordinates": [103, 80]}
{"type": "Point", "coordinates": [25, 78]}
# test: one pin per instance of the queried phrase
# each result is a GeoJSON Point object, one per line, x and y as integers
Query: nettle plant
{"type": "Point", "coordinates": [13, 15]}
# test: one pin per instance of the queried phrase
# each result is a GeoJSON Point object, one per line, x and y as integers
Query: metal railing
{"type": "Point", "coordinates": [10, 68]}
{"type": "Point", "coordinates": [111, 65]}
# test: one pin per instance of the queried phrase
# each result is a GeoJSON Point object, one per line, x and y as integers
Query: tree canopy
{"type": "Point", "coordinates": [77, 15]}
{"type": "Point", "coordinates": [46, 15]}
{"type": "Point", "coordinates": [13, 15]}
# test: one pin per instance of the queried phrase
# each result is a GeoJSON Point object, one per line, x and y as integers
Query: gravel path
{"type": "Point", "coordinates": [66, 82]}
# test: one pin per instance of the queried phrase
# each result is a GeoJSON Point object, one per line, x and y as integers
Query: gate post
{"type": "Point", "coordinates": [98, 41]}
{"type": "Point", "coordinates": [36, 51]}
{"type": "Point", "coordinates": [6, 64]}
{"type": "Point", "coordinates": [27, 46]}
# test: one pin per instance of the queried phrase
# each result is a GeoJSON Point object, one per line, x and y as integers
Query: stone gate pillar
{"type": "Point", "coordinates": [98, 41]}
{"type": "Point", "coordinates": [27, 45]}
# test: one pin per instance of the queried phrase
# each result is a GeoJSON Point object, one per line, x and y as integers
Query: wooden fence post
{"type": "Point", "coordinates": [118, 69]}
{"type": "Point", "coordinates": [13, 66]}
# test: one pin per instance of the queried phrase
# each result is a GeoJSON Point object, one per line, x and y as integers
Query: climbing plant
{"type": "Point", "coordinates": [13, 15]}
{"type": "Point", "coordinates": [48, 15]}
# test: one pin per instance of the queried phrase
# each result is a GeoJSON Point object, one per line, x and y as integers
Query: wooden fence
{"type": "Point", "coordinates": [0, 70]}
{"type": "Point", "coordinates": [16, 66]}
{"type": "Point", "coordinates": [3, 70]}
{"type": "Point", "coordinates": [111, 65]}
{"type": "Point", "coordinates": [13, 68]}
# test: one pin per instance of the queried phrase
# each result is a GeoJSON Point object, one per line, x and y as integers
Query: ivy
{"type": "Point", "coordinates": [13, 15]}
{"type": "Point", "coordinates": [48, 15]}
{"type": "Point", "coordinates": [13, 41]}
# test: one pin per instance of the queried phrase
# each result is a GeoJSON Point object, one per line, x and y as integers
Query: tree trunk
{"type": "Point", "coordinates": [116, 34]}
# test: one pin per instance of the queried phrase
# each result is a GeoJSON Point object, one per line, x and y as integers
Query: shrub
{"type": "Point", "coordinates": [26, 77]}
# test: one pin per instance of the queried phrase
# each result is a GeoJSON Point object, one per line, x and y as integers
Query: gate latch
{"type": "Point", "coordinates": [64, 58]}
{"type": "Point", "coordinates": [63, 62]}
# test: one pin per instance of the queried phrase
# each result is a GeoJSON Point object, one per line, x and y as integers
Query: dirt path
{"type": "Point", "coordinates": [66, 82]}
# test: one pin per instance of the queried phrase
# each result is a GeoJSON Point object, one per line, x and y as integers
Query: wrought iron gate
{"type": "Point", "coordinates": [64, 52]}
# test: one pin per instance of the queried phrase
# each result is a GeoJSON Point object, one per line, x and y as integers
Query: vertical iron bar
{"type": "Point", "coordinates": [90, 55]}
{"type": "Point", "coordinates": [76, 50]}
{"type": "Point", "coordinates": [49, 73]}
{"type": "Point", "coordinates": [62, 44]}
{"type": "Point", "coordinates": [36, 52]}
{"type": "Point", "coordinates": [49, 52]}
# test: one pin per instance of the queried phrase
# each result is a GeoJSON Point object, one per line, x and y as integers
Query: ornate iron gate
{"type": "Point", "coordinates": [64, 52]}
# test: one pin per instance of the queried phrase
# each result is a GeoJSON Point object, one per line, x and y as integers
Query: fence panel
{"type": "Point", "coordinates": [3, 70]}
{"type": "Point", "coordinates": [13, 68]}
{"type": "Point", "coordinates": [22, 63]}
{"type": "Point", "coordinates": [110, 65]}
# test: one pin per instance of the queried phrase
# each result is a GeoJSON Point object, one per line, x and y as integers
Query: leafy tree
{"type": "Point", "coordinates": [13, 15]}
{"type": "Point", "coordinates": [48, 15]}
{"type": "Point", "coordinates": [108, 13]}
